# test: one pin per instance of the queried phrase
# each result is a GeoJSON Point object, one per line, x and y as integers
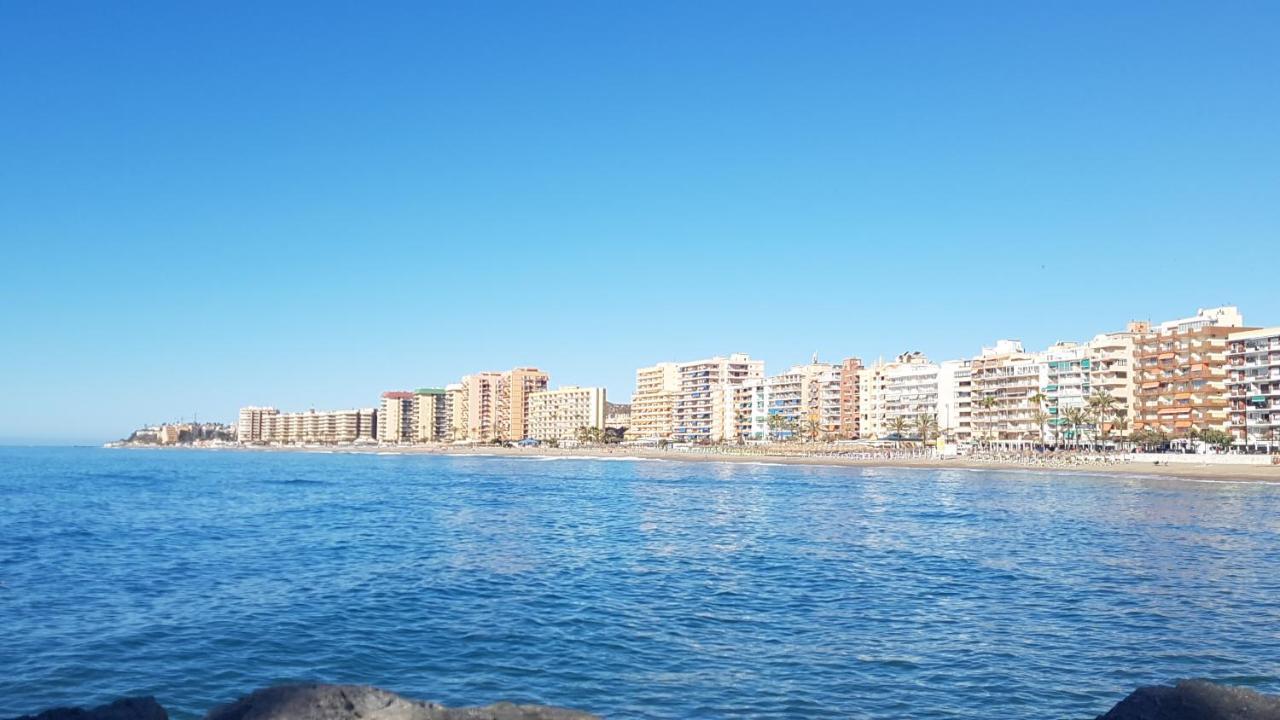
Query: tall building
{"type": "Point", "coordinates": [849, 402]}
{"type": "Point", "coordinates": [398, 421]}
{"type": "Point", "coordinates": [431, 415]}
{"type": "Point", "coordinates": [955, 402]}
{"type": "Point", "coordinates": [1067, 388]}
{"type": "Point", "coordinates": [705, 407]}
{"type": "Point", "coordinates": [804, 401]}
{"type": "Point", "coordinates": [497, 403]}
{"type": "Point", "coordinates": [902, 390]}
{"type": "Point", "coordinates": [456, 401]}
{"type": "Point", "coordinates": [1253, 383]}
{"type": "Point", "coordinates": [871, 417]}
{"type": "Point", "coordinates": [559, 414]}
{"type": "Point", "coordinates": [255, 423]}
{"type": "Point", "coordinates": [1182, 373]}
{"type": "Point", "coordinates": [751, 399]}
{"type": "Point", "coordinates": [513, 401]}
{"type": "Point", "coordinates": [1113, 370]}
{"type": "Point", "coordinates": [653, 404]}
{"type": "Point", "coordinates": [1005, 379]}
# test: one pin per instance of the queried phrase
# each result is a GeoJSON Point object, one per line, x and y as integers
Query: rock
{"type": "Point", "coordinates": [137, 708]}
{"type": "Point", "coordinates": [356, 702]}
{"type": "Point", "coordinates": [1195, 700]}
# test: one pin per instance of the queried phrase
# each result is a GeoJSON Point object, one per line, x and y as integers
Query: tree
{"type": "Point", "coordinates": [1121, 427]}
{"type": "Point", "coordinates": [899, 426]}
{"type": "Point", "coordinates": [988, 403]}
{"type": "Point", "coordinates": [926, 425]}
{"type": "Point", "coordinates": [1218, 438]}
{"type": "Point", "coordinates": [1076, 418]}
{"type": "Point", "coordinates": [777, 425]}
{"type": "Point", "coordinates": [1102, 404]}
{"type": "Point", "coordinates": [1040, 417]}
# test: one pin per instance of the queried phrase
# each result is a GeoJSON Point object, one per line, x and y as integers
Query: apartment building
{"type": "Point", "coordinates": [1066, 390]}
{"type": "Point", "coordinates": [653, 404]}
{"type": "Point", "coordinates": [559, 414]}
{"type": "Point", "coordinates": [804, 401]}
{"type": "Point", "coordinates": [456, 401]}
{"type": "Point", "coordinates": [1253, 387]}
{"type": "Point", "coordinates": [752, 410]}
{"type": "Point", "coordinates": [1112, 370]}
{"type": "Point", "coordinates": [955, 401]}
{"type": "Point", "coordinates": [497, 403]}
{"type": "Point", "coordinates": [1182, 373]}
{"type": "Point", "coordinates": [871, 418]}
{"type": "Point", "coordinates": [268, 425]}
{"type": "Point", "coordinates": [1004, 382]}
{"type": "Point", "coordinates": [431, 415]}
{"type": "Point", "coordinates": [849, 398]}
{"type": "Point", "coordinates": [398, 417]}
{"type": "Point", "coordinates": [897, 394]}
{"type": "Point", "coordinates": [705, 408]}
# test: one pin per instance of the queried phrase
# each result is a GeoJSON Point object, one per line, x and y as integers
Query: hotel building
{"type": "Point", "coordinates": [1004, 381]}
{"type": "Point", "coordinates": [849, 398]}
{"type": "Point", "coordinates": [705, 408]}
{"type": "Point", "coordinates": [653, 404]}
{"type": "Point", "coordinates": [559, 414]}
{"type": "Point", "coordinates": [1182, 373]}
{"type": "Point", "coordinates": [1253, 384]}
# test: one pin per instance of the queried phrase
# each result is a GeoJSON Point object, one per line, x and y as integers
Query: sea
{"type": "Point", "coordinates": [626, 587]}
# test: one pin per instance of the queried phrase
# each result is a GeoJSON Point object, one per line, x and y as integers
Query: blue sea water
{"type": "Point", "coordinates": [635, 589]}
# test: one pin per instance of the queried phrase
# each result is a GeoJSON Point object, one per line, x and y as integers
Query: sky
{"type": "Point", "coordinates": [211, 205]}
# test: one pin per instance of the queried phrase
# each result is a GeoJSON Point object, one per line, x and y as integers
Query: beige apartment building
{"type": "Point", "coordinates": [456, 400]}
{"type": "Point", "coordinates": [559, 414]}
{"type": "Point", "coordinates": [653, 404]}
{"type": "Point", "coordinates": [397, 417]}
{"type": "Point", "coordinates": [850, 418]}
{"type": "Point", "coordinates": [1004, 381]}
{"type": "Point", "coordinates": [705, 409]}
{"type": "Point", "coordinates": [431, 415]}
{"type": "Point", "coordinates": [1182, 373]}
{"type": "Point", "coordinates": [497, 403]}
{"type": "Point", "coordinates": [904, 389]}
{"type": "Point", "coordinates": [267, 425]}
{"type": "Point", "coordinates": [1253, 386]}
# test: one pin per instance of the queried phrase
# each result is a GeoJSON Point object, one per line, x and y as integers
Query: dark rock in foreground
{"type": "Point", "coordinates": [349, 702]}
{"type": "Point", "coordinates": [1195, 700]}
{"type": "Point", "coordinates": [318, 702]}
{"type": "Point", "coordinates": [143, 708]}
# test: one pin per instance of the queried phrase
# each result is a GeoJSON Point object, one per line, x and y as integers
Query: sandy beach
{"type": "Point", "coordinates": [1115, 464]}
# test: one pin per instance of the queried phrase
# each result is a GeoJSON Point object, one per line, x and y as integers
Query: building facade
{"type": "Point", "coordinates": [398, 417]}
{"type": "Point", "coordinates": [1253, 387]}
{"type": "Point", "coordinates": [1005, 380]}
{"type": "Point", "coordinates": [849, 399]}
{"type": "Point", "coordinates": [259, 425]}
{"type": "Point", "coordinates": [1182, 373]}
{"type": "Point", "coordinates": [705, 407]}
{"type": "Point", "coordinates": [560, 414]}
{"type": "Point", "coordinates": [431, 415]}
{"type": "Point", "coordinates": [653, 404]}
{"type": "Point", "coordinates": [955, 401]}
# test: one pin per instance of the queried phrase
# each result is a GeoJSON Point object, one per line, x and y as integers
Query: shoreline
{"type": "Point", "coordinates": [1180, 470]}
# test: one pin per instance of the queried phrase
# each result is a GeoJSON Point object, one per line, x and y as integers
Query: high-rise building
{"type": "Point", "coordinates": [1182, 373]}
{"type": "Point", "coordinates": [653, 404]}
{"type": "Point", "coordinates": [894, 396]}
{"type": "Point", "coordinates": [955, 402]}
{"type": "Point", "coordinates": [560, 414]}
{"type": "Point", "coordinates": [1253, 362]}
{"type": "Point", "coordinates": [255, 423]}
{"type": "Point", "coordinates": [849, 401]}
{"type": "Point", "coordinates": [513, 401]}
{"type": "Point", "coordinates": [706, 406]}
{"type": "Point", "coordinates": [1005, 380]}
{"type": "Point", "coordinates": [431, 415]}
{"type": "Point", "coordinates": [456, 401]}
{"type": "Point", "coordinates": [804, 401]}
{"type": "Point", "coordinates": [1112, 370]}
{"type": "Point", "coordinates": [481, 401]}
{"type": "Point", "coordinates": [398, 420]}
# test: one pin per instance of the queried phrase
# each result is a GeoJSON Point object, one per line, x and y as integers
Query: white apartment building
{"type": "Point", "coordinates": [653, 404]}
{"type": "Point", "coordinates": [904, 389]}
{"type": "Point", "coordinates": [1005, 380]}
{"type": "Point", "coordinates": [804, 401]}
{"type": "Point", "coordinates": [706, 404]}
{"type": "Point", "coordinates": [559, 414]}
{"type": "Point", "coordinates": [1253, 385]}
{"type": "Point", "coordinates": [955, 402]}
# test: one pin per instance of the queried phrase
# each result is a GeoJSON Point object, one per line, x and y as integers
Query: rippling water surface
{"type": "Point", "coordinates": [632, 589]}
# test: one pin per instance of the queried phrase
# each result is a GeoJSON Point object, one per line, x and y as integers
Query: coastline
{"type": "Point", "coordinates": [1180, 470]}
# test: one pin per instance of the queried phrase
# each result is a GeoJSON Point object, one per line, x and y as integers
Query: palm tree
{"type": "Point", "coordinates": [1102, 403]}
{"type": "Point", "coordinates": [1040, 417]}
{"type": "Point", "coordinates": [777, 424]}
{"type": "Point", "coordinates": [1075, 418]}
{"type": "Point", "coordinates": [1121, 426]}
{"type": "Point", "coordinates": [987, 403]}
{"type": "Point", "coordinates": [899, 426]}
{"type": "Point", "coordinates": [926, 425]}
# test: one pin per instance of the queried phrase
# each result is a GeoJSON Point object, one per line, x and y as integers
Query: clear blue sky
{"type": "Point", "coordinates": [208, 205]}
